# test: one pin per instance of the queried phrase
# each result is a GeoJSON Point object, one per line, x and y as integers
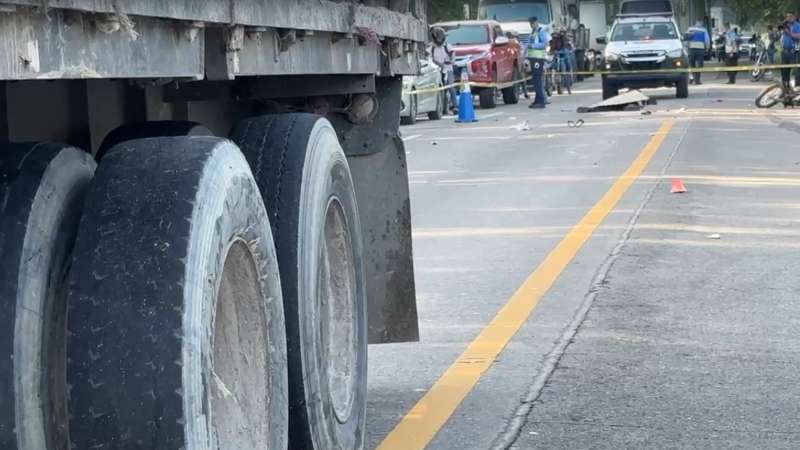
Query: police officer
{"type": "Point", "coordinates": [536, 53]}
{"type": "Point", "coordinates": [699, 42]}
{"type": "Point", "coordinates": [789, 39]}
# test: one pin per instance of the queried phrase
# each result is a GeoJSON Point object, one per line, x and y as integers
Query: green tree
{"type": "Point", "coordinates": [441, 10]}
{"type": "Point", "coordinates": [755, 12]}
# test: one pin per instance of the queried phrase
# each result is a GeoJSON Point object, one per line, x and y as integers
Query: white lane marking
{"type": "Point", "coordinates": [471, 138]}
{"type": "Point", "coordinates": [487, 116]}
{"type": "Point", "coordinates": [411, 138]}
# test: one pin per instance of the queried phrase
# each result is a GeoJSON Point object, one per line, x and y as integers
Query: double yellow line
{"type": "Point", "coordinates": [418, 428]}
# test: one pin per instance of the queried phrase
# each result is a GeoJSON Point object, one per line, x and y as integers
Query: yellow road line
{"type": "Point", "coordinates": [416, 430]}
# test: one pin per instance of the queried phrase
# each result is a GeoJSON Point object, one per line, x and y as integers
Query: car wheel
{"type": "Point", "coordinates": [441, 104]}
{"type": "Point", "coordinates": [682, 88]}
{"type": "Point", "coordinates": [511, 93]}
{"type": "Point", "coordinates": [609, 89]}
{"type": "Point", "coordinates": [488, 96]}
{"type": "Point", "coordinates": [411, 119]}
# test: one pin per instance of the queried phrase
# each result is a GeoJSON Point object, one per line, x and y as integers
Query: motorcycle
{"type": "Point", "coordinates": [757, 73]}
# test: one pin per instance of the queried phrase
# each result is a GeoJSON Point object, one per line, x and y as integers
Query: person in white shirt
{"type": "Point", "coordinates": [442, 55]}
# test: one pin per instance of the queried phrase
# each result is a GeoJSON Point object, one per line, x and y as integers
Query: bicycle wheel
{"type": "Point", "coordinates": [770, 96]}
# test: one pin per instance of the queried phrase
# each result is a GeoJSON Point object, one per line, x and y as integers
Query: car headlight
{"type": "Point", "coordinates": [675, 53]}
{"type": "Point", "coordinates": [611, 56]}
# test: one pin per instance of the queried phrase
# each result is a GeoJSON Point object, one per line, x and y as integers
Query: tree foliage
{"type": "Point", "coordinates": [440, 10]}
{"type": "Point", "coordinates": [751, 13]}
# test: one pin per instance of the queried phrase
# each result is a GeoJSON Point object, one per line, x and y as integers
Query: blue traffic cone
{"type": "Point", "coordinates": [466, 112]}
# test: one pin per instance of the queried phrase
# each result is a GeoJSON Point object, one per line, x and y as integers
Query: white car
{"type": "Point", "coordinates": [638, 44]}
{"type": "Point", "coordinates": [417, 98]}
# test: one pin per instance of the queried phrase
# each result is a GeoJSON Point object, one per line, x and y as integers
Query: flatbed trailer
{"type": "Point", "coordinates": [204, 219]}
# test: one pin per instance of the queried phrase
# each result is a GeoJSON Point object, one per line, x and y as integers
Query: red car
{"type": "Point", "coordinates": [489, 56]}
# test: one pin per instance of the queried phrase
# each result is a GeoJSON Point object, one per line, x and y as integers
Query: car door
{"type": "Point", "coordinates": [503, 56]}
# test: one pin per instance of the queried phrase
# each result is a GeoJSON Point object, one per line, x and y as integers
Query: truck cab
{"type": "Point", "coordinates": [514, 15]}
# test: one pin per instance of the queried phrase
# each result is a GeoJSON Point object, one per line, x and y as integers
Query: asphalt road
{"type": "Point", "coordinates": [669, 321]}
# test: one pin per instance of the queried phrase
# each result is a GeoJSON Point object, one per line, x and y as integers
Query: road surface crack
{"type": "Point", "coordinates": [508, 436]}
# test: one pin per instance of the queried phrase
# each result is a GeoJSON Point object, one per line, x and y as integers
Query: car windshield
{"type": "Point", "coordinates": [649, 31]}
{"type": "Point", "coordinates": [467, 34]}
{"type": "Point", "coordinates": [646, 7]}
{"type": "Point", "coordinates": [514, 11]}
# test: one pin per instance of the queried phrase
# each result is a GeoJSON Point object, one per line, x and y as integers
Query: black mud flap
{"type": "Point", "coordinates": [377, 160]}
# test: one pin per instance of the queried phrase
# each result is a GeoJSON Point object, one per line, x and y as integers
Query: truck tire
{"type": "Point", "coordinates": [682, 87]}
{"type": "Point", "coordinates": [609, 89]}
{"type": "Point", "coordinates": [176, 325]}
{"type": "Point", "coordinates": [304, 176]}
{"type": "Point", "coordinates": [156, 128]}
{"type": "Point", "coordinates": [42, 188]}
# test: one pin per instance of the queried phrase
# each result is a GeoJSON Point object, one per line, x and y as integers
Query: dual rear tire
{"type": "Point", "coordinates": [42, 187]}
{"type": "Point", "coordinates": [307, 187]}
{"type": "Point", "coordinates": [179, 303]}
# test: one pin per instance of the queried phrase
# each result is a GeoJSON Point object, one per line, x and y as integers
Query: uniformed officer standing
{"type": "Point", "coordinates": [699, 43]}
{"type": "Point", "coordinates": [789, 39]}
{"type": "Point", "coordinates": [536, 53]}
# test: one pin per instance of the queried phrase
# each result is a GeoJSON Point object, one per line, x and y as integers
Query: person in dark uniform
{"type": "Point", "coordinates": [699, 43]}
{"type": "Point", "coordinates": [789, 39]}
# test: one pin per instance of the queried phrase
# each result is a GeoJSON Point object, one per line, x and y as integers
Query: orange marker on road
{"type": "Point", "coordinates": [677, 186]}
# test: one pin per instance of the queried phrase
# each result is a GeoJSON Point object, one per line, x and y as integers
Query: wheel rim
{"type": "Point", "coordinates": [240, 384]}
{"type": "Point", "coordinates": [770, 97]}
{"type": "Point", "coordinates": [337, 302]}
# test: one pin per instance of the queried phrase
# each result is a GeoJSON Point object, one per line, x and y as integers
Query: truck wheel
{"type": "Point", "coordinates": [682, 88]}
{"type": "Point", "coordinates": [156, 128]}
{"type": "Point", "coordinates": [411, 119]}
{"type": "Point", "coordinates": [609, 89]}
{"type": "Point", "coordinates": [310, 198]}
{"type": "Point", "coordinates": [43, 187]}
{"type": "Point", "coordinates": [176, 317]}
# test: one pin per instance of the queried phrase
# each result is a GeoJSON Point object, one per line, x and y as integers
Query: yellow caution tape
{"type": "Point", "coordinates": [610, 72]}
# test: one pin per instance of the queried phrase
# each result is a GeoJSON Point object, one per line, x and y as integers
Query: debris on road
{"type": "Point", "coordinates": [647, 112]}
{"type": "Point", "coordinates": [678, 187]}
{"type": "Point", "coordinates": [575, 123]}
{"type": "Point", "coordinates": [523, 126]}
{"type": "Point", "coordinates": [714, 236]}
{"type": "Point", "coordinates": [631, 99]}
